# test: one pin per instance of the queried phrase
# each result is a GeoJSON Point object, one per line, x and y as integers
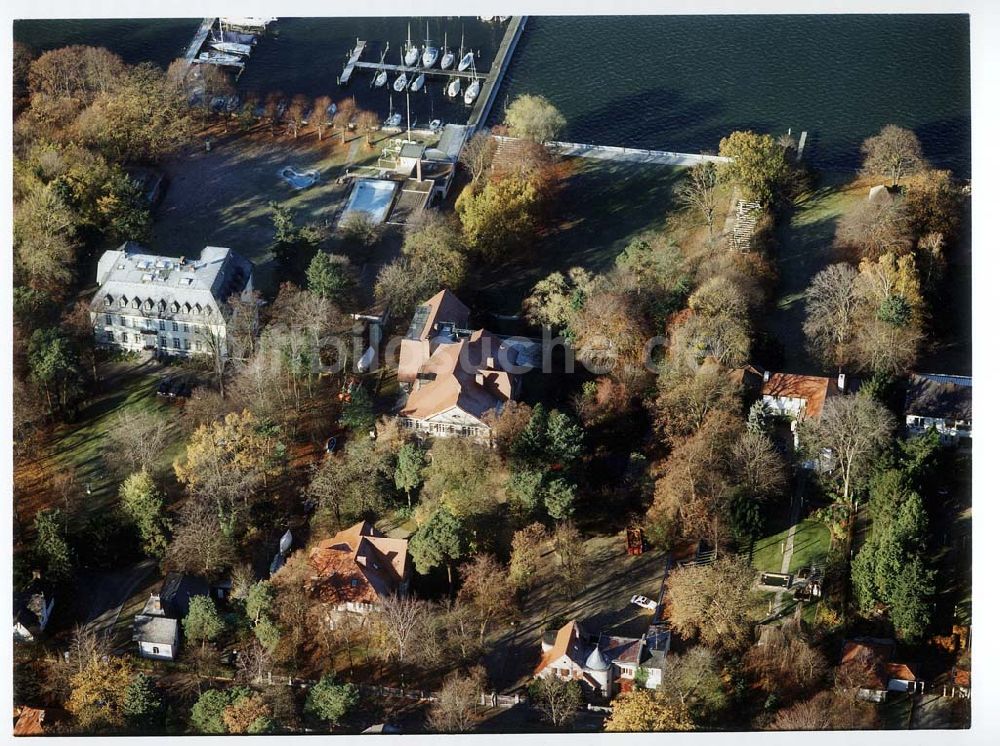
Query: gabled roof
{"type": "Point", "coordinates": [444, 306]}
{"type": "Point", "coordinates": [568, 642]}
{"type": "Point", "coordinates": [939, 397]}
{"type": "Point", "coordinates": [156, 630]}
{"type": "Point", "coordinates": [177, 591]}
{"type": "Point", "coordinates": [899, 671]}
{"type": "Point", "coordinates": [359, 564]}
{"type": "Point", "coordinates": [813, 389]}
{"type": "Point", "coordinates": [30, 722]}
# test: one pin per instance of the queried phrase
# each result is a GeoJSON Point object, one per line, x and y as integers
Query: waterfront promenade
{"type": "Point", "coordinates": [633, 155]}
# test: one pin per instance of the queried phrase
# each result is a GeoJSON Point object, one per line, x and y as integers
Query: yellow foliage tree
{"type": "Point", "coordinates": [641, 710]}
{"type": "Point", "coordinates": [98, 693]}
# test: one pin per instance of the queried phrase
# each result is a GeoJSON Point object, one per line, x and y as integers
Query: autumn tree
{"type": "Point", "coordinates": [557, 299]}
{"type": "Point", "coordinates": [296, 113]}
{"type": "Point", "coordinates": [454, 709]}
{"type": "Point", "coordinates": [699, 192]}
{"type": "Point", "coordinates": [435, 245]}
{"type": "Point", "coordinates": [135, 440]}
{"type": "Point", "coordinates": [486, 590]}
{"type": "Point", "coordinates": [893, 153]}
{"type": "Point", "coordinates": [320, 117]}
{"type": "Point", "coordinates": [784, 664]}
{"type": "Point", "coordinates": [610, 334]}
{"type": "Point", "coordinates": [933, 204]}
{"type": "Point", "coordinates": [685, 399]}
{"type": "Point", "coordinates": [526, 550]}
{"type": "Point", "coordinates": [758, 165]}
{"type": "Point", "coordinates": [854, 429]}
{"type": "Point", "coordinates": [892, 314]}
{"type": "Point", "coordinates": [713, 601]}
{"type": "Point", "coordinates": [198, 546]}
{"type": "Point", "coordinates": [349, 486]}
{"type": "Point", "coordinates": [465, 477]}
{"type": "Point", "coordinates": [368, 122]}
{"type": "Point", "coordinates": [693, 680]}
{"type": "Point", "coordinates": [99, 692]}
{"type": "Point", "coordinates": [507, 425]}
{"type": "Point", "coordinates": [143, 503]}
{"type": "Point", "coordinates": [347, 109]}
{"type": "Point", "coordinates": [477, 155]}
{"type": "Point", "coordinates": [643, 711]}
{"type": "Point", "coordinates": [402, 620]}
{"type": "Point", "coordinates": [556, 699]}
{"type": "Point", "coordinates": [534, 118]}
{"type": "Point", "coordinates": [500, 219]}
{"type": "Point", "coordinates": [247, 715]}
{"type": "Point", "coordinates": [825, 711]}
{"type": "Point", "coordinates": [873, 227]}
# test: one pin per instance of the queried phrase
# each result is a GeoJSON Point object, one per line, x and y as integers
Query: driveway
{"type": "Point", "coordinates": [104, 594]}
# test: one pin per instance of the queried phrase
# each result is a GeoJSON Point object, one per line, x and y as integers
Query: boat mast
{"type": "Point", "coordinates": [408, 114]}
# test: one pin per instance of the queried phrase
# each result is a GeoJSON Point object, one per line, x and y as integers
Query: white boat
{"type": "Point", "coordinates": [472, 91]}
{"type": "Point", "coordinates": [411, 53]}
{"type": "Point", "coordinates": [380, 79]}
{"type": "Point", "coordinates": [247, 21]}
{"type": "Point", "coordinates": [430, 55]}
{"type": "Point", "coordinates": [435, 125]}
{"type": "Point", "coordinates": [220, 58]}
{"type": "Point", "coordinates": [447, 56]}
{"type": "Point", "coordinates": [454, 87]}
{"type": "Point", "coordinates": [231, 47]}
{"type": "Point", "coordinates": [418, 82]}
{"type": "Point", "coordinates": [486, 19]}
{"type": "Point", "coordinates": [400, 83]}
{"type": "Point", "coordinates": [331, 110]}
{"type": "Point", "coordinates": [467, 60]}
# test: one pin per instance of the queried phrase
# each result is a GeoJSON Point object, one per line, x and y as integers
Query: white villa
{"type": "Point", "coordinates": [941, 402]}
{"type": "Point", "coordinates": [167, 305]}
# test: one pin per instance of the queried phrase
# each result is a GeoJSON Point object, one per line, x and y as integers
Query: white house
{"type": "Point", "coordinates": [32, 611]}
{"type": "Point", "coordinates": [167, 305]}
{"type": "Point", "coordinates": [941, 402]}
{"type": "Point", "coordinates": [157, 634]}
{"type": "Point", "coordinates": [798, 397]}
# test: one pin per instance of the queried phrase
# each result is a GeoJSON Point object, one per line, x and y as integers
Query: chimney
{"type": "Point", "coordinates": [491, 363]}
{"type": "Point", "coordinates": [842, 382]}
{"type": "Point", "coordinates": [480, 379]}
{"type": "Point", "coordinates": [181, 261]}
{"type": "Point", "coordinates": [767, 376]}
{"type": "Point", "coordinates": [157, 606]}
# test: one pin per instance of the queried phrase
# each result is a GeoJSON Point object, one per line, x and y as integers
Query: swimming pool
{"type": "Point", "coordinates": [371, 196]}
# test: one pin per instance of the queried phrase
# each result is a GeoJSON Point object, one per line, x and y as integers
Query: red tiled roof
{"type": "Point", "coordinates": [359, 564]}
{"type": "Point", "coordinates": [962, 678]}
{"type": "Point", "coordinates": [567, 640]}
{"type": "Point", "coordinates": [814, 389]}
{"type": "Point", "coordinates": [30, 722]}
{"type": "Point", "coordinates": [899, 671]}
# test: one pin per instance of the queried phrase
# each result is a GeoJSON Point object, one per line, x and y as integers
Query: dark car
{"type": "Point", "coordinates": [164, 388]}
{"type": "Point", "coordinates": [180, 388]}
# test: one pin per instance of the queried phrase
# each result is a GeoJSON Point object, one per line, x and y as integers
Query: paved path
{"type": "Point", "coordinates": [109, 592]}
{"type": "Point", "coordinates": [633, 155]}
{"type": "Point", "coordinates": [786, 560]}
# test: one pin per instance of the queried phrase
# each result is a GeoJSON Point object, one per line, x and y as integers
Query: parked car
{"type": "Point", "coordinates": [644, 602]}
{"type": "Point", "coordinates": [180, 388]}
{"type": "Point", "coordinates": [163, 389]}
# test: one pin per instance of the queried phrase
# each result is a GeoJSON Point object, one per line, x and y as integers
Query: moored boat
{"type": "Point", "coordinates": [467, 60]}
{"type": "Point", "coordinates": [380, 79]}
{"type": "Point", "coordinates": [418, 82]}
{"type": "Point", "coordinates": [220, 58]}
{"type": "Point", "coordinates": [454, 87]}
{"type": "Point", "coordinates": [231, 47]}
{"type": "Point", "coordinates": [472, 91]}
{"type": "Point", "coordinates": [400, 83]}
{"type": "Point", "coordinates": [411, 53]}
{"type": "Point", "coordinates": [430, 55]}
{"type": "Point", "coordinates": [447, 56]}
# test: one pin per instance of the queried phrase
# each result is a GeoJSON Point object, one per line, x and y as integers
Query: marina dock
{"type": "Point", "coordinates": [199, 39]}
{"type": "Point", "coordinates": [468, 74]}
{"type": "Point", "coordinates": [481, 108]}
{"type": "Point", "coordinates": [633, 155]}
{"type": "Point", "coordinates": [352, 62]}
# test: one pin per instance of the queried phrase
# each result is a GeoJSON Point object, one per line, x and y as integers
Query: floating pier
{"type": "Point", "coordinates": [468, 74]}
{"type": "Point", "coordinates": [201, 35]}
{"type": "Point", "coordinates": [352, 62]}
{"type": "Point", "coordinates": [483, 103]}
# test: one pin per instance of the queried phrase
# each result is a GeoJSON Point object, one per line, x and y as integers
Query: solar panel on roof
{"type": "Point", "coordinates": [420, 317]}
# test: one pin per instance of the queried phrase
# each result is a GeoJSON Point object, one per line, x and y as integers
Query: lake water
{"type": "Point", "coordinates": [663, 82]}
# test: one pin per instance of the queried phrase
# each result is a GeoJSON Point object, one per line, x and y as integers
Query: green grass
{"type": "Point", "coordinates": [602, 206]}
{"type": "Point", "coordinates": [812, 544]}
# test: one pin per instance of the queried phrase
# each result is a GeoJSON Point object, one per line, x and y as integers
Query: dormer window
{"type": "Point", "coordinates": [123, 302]}
{"type": "Point", "coordinates": [187, 308]}
{"type": "Point", "coordinates": [108, 300]}
{"type": "Point", "coordinates": [162, 306]}
{"type": "Point", "coordinates": [149, 304]}
{"type": "Point", "coordinates": [136, 303]}
{"type": "Point", "coordinates": [175, 307]}
{"type": "Point", "coordinates": [197, 308]}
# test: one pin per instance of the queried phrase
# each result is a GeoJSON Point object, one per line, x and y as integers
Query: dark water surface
{"type": "Point", "coordinates": [665, 82]}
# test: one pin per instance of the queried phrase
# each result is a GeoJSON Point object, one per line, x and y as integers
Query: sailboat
{"type": "Point", "coordinates": [400, 83]}
{"type": "Point", "coordinates": [229, 47]}
{"type": "Point", "coordinates": [472, 90]}
{"type": "Point", "coordinates": [418, 82]}
{"type": "Point", "coordinates": [220, 58]}
{"type": "Point", "coordinates": [454, 87]}
{"type": "Point", "coordinates": [430, 53]}
{"type": "Point", "coordinates": [383, 75]}
{"type": "Point", "coordinates": [410, 58]}
{"type": "Point", "coordinates": [392, 120]}
{"type": "Point", "coordinates": [447, 57]}
{"type": "Point", "coordinates": [466, 58]}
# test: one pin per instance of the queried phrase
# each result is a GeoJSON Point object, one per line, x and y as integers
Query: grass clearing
{"type": "Point", "coordinates": [812, 545]}
{"type": "Point", "coordinates": [603, 205]}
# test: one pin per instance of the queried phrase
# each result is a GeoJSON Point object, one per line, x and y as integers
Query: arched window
{"type": "Point", "coordinates": [175, 306]}
{"type": "Point", "coordinates": [123, 302]}
{"type": "Point", "coordinates": [149, 304]}
{"type": "Point", "coordinates": [108, 300]}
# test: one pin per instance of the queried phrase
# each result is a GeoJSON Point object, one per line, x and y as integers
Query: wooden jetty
{"type": "Point", "coordinates": [486, 97]}
{"type": "Point", "coordinates": [426, 70]}
{"type": "Point", "coordinates": [352, 62]}
{"type": "Point", "coordinates": [199, 40]}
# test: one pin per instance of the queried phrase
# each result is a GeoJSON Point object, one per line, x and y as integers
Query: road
{"type": "Point", "coordinates": [107, 592]}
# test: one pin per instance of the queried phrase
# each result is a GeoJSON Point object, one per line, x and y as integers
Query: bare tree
{"type": "Point", "coordinates": [758, 466]}
{"type": "Point", "coordinates": [67, 489]}
{"type": "Point", "coordinates": [253, 661]}
{"type": "Point", "coordinates": [699, 191]}
{"type": "Point", "coordinates": [135, 440]}
{"type": "Point", "coordinates": [320, 118]}
{"type": "Point", "coordinates": [694, 678]}
{"type": "Point", "coordinates": [296, 113]}
{"type": "Point", "coordinates": [401, 619]}
{"type": "Point", "coordinates": [368, 122]}
{"type": "Point", "coordinates": [826, 711]}
{"type": "Point", "coordinates": [486, 589]}
{"type": "Point", "coordinates": [832, 301]}
{"type": "Point", "coordinates": [557, 699]}
{"type": "Point", "coordinates": [198, 545]}
{"type": "Point", "coordinates": [873, 228]}
{"type": "Point", "coordinates": [477, 155]}
{"type": "Point", "coordinates": [455, 708]}
{"type": "Point", "coordinates": [893, 153]}
{"type": "Point", "coordinates": [714, 601]}
{"type": "Point", "coordinates": [849, 435]}
{"type": "Point", "coordinates": [346, 111]}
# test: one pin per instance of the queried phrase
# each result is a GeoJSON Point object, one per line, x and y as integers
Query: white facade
{"type": "Point", "coordinates": [157, 650]}
{"type": "Point", "coordinates": [784, 406]}
{"type": "Point", "coordinates": [951, 431]}
{"type": "Point", "coordinates": [453, 422]}
{"type": "Point", "coordinates": [167, 305]}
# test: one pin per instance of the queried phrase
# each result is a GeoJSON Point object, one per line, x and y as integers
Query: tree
{"type": "Point", "coordinates": [320, 117]}
{"type": "Point", "coordinates": [358, 413]}
{"type": "Point", "coordinates": [526, 554]}
{"type": "Point", "coordinates": [368, 122]}
{"type": "Point", "coordinates": [610, 334]}
{"type": "Point", "coordinates": [855, 429]}
{"type": "Point", "coordinates": [329, 701]}
{"type": "Point", "coordinates": [410, 463]}
{"type": "Point", "coordinates": [455, 708]}
{"type": "Point", "coordinates": [440, 540]}
{"type": "Point", "coordinates": [477, 155]}
{"type": "Point", "coordinates": [758, 466]}
{"type": "Point", "coordinates": [888, 341]}
{"type": "Point", "coordinates": [259, 601]}
{"type": "Point", "coordinates": [360, 229]}
{"type": "Point", "coordinates": [50, 549]}
{"type": "Point", "coordinates": [825, 711]}
{"type": "Point", "coordinates": [693, 680]}
{"type": "Point", "coordinates": [556, 300]}
{"type": "Point", "coordinates": [714, 602]}
{"type": "Point", "coordinates": [558, 700]}
{"type": "Point", "coordinates": [507, 425]}
{"type": "Point", "coordinates": [75, 72]}
{"type": "Point", "coordinates": [328, 277]}
{"type": "Point", "coordinates": [465, 477]}
{"type": "Point", "coordinates": [785, 665]}
{"type": "Point", "coordinates": [296, 113]}
{"type": "Point", "coordinates": [45, 241]}
{"type": "Point", "coordinates": [559, 499]}
{"type": "Point", "coordinates": [136, 440]}
{"type": "Point", "coordinates": [198, 546]}
{"type": "Point", "coordinates": [872, 228]}
{"type": "Point", "coordinates": [207, 714]}
{"type": "Point", "coordinates": [933, 203]}
{"type": "Point", "coordinates": [203, 621]}
{"type": "Point", "coordinates": [685, 399]}
{"type": "Point", "coordinates": [351, 486]}
{"type": "Point", "coordinates": [250, 714]}
{"type": "Point", "coordinates": [485, 589]}
{"type": "Point", "coordinates": [699, 192]}
{"type": "Point", "coordinates": [347, 109]}
{"type": "Point", "coordinates": [125, 209]}
{"type": "Point", "coordinates": [758, 165]}
{"type": "Point", "coordinates": [534, 118]}
{"type": "Point", "coordinates": [143, 705]}
{"type": "Point", "coordinates": [143, 504]}
{"type": "Point", "coordinates": [402, 619]}
{"type": "Point", "coordinates": [500, 219]}
{"type": "Point", "coordinates": [435, 244]}
{"type": "Point", "coordinates": [893, 153]}
{"type": "Point", "coordinates": [643, 711]}
{"type": "Point", "coordinates": [54, 367]}
{"type": "Point", "coordinates": [832, 302]}
{"type": "Point", "coordinates": [99, 693]}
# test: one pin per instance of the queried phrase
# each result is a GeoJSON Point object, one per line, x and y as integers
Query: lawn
{"type": "Point", "coordinates": [128, 387]}
{"type": "Point", "coordinates": [804, 247]}
{"type": "Point", "coordinates": [602, 206]}
{"type": "Point", "coordinates": [221, 197]}
{"type": "Point", "coordinates": [812, 544]}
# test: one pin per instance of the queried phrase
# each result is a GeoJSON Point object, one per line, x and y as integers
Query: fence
{"type": "Point", "coordinates": [419, 695]}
